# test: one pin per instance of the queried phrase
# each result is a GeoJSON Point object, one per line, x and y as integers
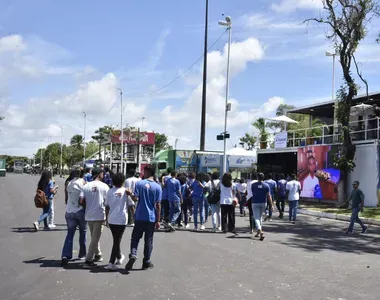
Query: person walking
{"type": "Point", "coordinates": [75, 218]}
{"type": "Point", "coordinates": [147, 217]}
{"type": "Point", "coordinates": [273, 190]}
{"type": "Point", "coordinates": [175, 199]}
{"type": "Point", "coordinates": [260, 196]}
{"type": "Point", "coordinates": [242, 191]}
{"type": "Point", "coordinates": [281, 196]}
{"type": "Point", "coordinates": [357, 197]}
{"type": "Point", "coordinates": [130, 183]}
{"type": "Point", "coordinates": [46, 185]}
{"type": "Point", "coordinates": [227, 203]}
{"type": "Point", "coordinates": [294, 190]}
{"type": "Point", "coordinates": [93, 198]}
{"type": "Point", "coordinates": [249, 201]}
{"type": "Point", "coordinates": [214, 200]}
{"type": "Point", "coordinates": [198, 201]}
{"type": "Point", "coordinates": [117, 204]}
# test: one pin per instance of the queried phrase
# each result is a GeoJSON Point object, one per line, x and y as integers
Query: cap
{"type": "Point", "coordinates": [96, 172]}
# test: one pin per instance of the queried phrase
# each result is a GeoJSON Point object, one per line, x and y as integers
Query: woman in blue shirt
{"type": "Point", "coordinates": [198, 201]}
{"type": "Point", "coordinates": [46, 184]}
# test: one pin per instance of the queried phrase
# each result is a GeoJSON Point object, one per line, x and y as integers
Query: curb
{"type": "Point", "coordinates": [339, 217]}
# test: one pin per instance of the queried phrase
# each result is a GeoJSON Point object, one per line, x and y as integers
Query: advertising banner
{"type": "Point", "coordinates": [242, 162]}
{"type": "Point", "coordinates": [146, 138]}
{"type": "Point", "coordinates": [211, 160]}
{"type": "Point", "coordinates": [316, 173]}
{"type": "Point", "coordinates": [281, 140]}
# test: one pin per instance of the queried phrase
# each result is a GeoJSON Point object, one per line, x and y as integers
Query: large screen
{"type": "Point", "coordinates": [316, 173]}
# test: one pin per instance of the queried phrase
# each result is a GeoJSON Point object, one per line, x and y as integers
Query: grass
{"type": "Point", "coordinates": [369, 213]}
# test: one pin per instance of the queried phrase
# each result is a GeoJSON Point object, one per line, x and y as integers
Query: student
{"type": "Point", "coordinates": [175, 199]}
{"type": "Point", "coordinates": [227, 203]}
{"type": "Point", "coordinates": [130, 183]}
{"type": "Point", "coordinates": [117, 204]}
{"type": "Point", "coordinates": [249, 200]}
{"type": "Point", "coordinates": [93, 197]}
{"type": "Point", "coordinates": [46, 185]}
{"type": "Point", "coordinates": [214, 186]}
{"type": "Point", "coordinates": [88, 175]}
{"type": "Point", "coordinates": [281, 195]}
{"type": "Point", "coordinates": [198, 201]}
{"type": "Point", "coordinates": [185, 191]}
{"type": "Point", "coordinates": [294, 189]}
{"type": "Point", "coordinates": [357, 197]}
{"type": "Point", "coordinates": [273, 190]}
{"type": "Point", "coordinates": [75, 218]}
{"type": "Point", "coordinates": [147, 217]}
{"type": "Point", "coordinates": [260, 196]}
{"type": "Point", "coordinates": [242, 189]}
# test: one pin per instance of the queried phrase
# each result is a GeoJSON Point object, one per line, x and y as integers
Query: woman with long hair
{"type": "Point", "coordinates": [214, 200]}
{"type": "Point", "coordinates": [46, 185]}
{"type": "Point", "coordinates": [227, 203]}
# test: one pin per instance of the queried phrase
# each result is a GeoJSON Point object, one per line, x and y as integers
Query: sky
{"type": "Point", "coordinates": [59, 59]}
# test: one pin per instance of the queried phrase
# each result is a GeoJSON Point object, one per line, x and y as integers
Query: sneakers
{"type": "Point", "coordinates": [147, 265]}
{"type": "Point", "coordinates": [46, 228]}
{"type": "Point", "coordinates": [214, 229]}
{"type": "Point", "coordinates": [89, 265]}
{"type": "Point", "coordinates": [187, 226]}
{"type": "Point", "coordinates": [64, 262]}
{"type": "Point", "coordinates": [52, 226]}
{"type": "Point", "coordinates": [219, 228]}
{"type": "Point", "coordinates": [111, 267]}
{"type": "Point", "coordinates": [36, 226]}
{"type": "Point", "coordinates": [203, 227]}
{"type": "Point", "coordinates": [364, 230]}
{"type": "Point", "coordinates": [195, 228]}
{"type": "Point", "coordinates": [348, 232]}
{"type": "Point", "coordinates": [120, 261]}
{"type": "Point", "coordinates": [130, 263]}
{"type": "Point", "coordinates": [171, 227]}
{"type": "Point", "coordinates": [98, 258]}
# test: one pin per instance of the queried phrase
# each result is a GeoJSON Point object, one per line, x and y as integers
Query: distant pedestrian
{"type": "Point", "coordinates": [130, 183]}
{"type": "Point", "coordinates": [281, 196]}
{"type": "Point", "coordinates": [147, 217]}
{"type": "Point", "coordinates": [357, 197]}
{"type": "Point", "coordinates": [249, 200]}
{"type": "Point", "coordinates": [88, 175]}
{"type": "Point", "coordinates": [273, 191]}
{"type": "Point", "coordinates": [294, 189]}
{"type": "Point", "coordinates": [228, 203]}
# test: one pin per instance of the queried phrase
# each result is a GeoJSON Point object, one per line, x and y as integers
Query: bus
{"type": "Point", "coordinates": [18, 167]}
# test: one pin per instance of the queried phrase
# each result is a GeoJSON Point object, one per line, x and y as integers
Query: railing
{"type": "Point", "coordinates": [368, 129]}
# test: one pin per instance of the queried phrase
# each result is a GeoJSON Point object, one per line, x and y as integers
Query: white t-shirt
{"type": "Point", "coordinates": [118, 202]}
{"type": "Point", "coordinates": [249, 189]}
{"type": "Point", "coordinates": [214, 185]}
{"type": "Point", "coordinates": [74, 190]}
{"type": "Point", "coordinates": [95, 193]}
{"type": "Point", "coordinates": [308, 186]}
{"type": "Point", "coordinates": [241, 187]}
{"type": "Point", "coordinates": [226, 194]}
{"type": "Point", "coordinates": [130, 183]}
{"type": "Point", "coordinates": [294, 188]}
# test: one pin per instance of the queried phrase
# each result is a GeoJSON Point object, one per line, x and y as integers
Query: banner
{"type": "Point", "coordinates": [281, 140]}
{"type": "Point", "coordinates": [146, 138]}
{"type": "Point", "coordinates": [242, 162]}
{"type": "Point", "coordinates": [211, 160]}
{"type": "Point", "coordinates": [316, 173]}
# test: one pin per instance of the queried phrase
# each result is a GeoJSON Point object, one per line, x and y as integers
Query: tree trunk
{"type": "Point", "coordinates": [100, 149]}
{"type": "Point", "coordinates": [342, 190]}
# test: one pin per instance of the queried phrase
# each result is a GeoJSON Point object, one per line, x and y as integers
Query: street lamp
{"type": "Point", "coordinates": [60, 170]}
{"type": "Point", "coordinates": [333, 55]}
{"type": "Point", "coordinates": [121, 131]}
{"type": "Point", "coordinates": [84, 139]}
{"type": "Point", "coordinates": [142, 123]}
{"type": "Point", "coordinates": [227, 23]}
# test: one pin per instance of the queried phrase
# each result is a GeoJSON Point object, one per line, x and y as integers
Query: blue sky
{"type": "Point", "coordinates": [59, 58]}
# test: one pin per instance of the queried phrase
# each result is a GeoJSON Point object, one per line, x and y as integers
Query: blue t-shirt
{"type": "Point", "coordinates": [88, 177]}
{"type": "Point", "coordinates": [48, 187]}
{"type": "Point", "coordinates": [149, 193]}
{"type": "Point", "coordinates": [174, 189]}
{"type": "Point", "coordinates": [272, 186]}
{"type": "Point", "coordinates": [184, 188]}
{"type": "Point", "coordinates": [165, 188]}
{"type": "Point", "coordinates": [107, 179]}
{"type": "Point", "coordinates": [260, 191]}
{"type": "Point", "coordinates": [197, 189]}
{"type": "Point", "coordinates": [281, 187]}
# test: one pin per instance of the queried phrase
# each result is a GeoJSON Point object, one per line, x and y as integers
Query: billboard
{"type": "Point", "coordinates": [316, 173]}
{"type": "Point", "coordinates": [236, 161]}
{"type": "Point", "coordinates": [146, 138]}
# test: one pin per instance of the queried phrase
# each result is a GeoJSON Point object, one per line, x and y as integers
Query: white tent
{"type": "Point", "coordinates": [241, 158]}
{"type": "Point", "coordinates": [284, 119]}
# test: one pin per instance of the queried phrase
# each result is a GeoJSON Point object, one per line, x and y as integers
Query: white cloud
{"type": "Point", "coordinates": [288, 6]}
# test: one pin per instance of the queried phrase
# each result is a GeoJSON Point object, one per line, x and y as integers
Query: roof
{"type": "Point", "coordinates": [325, 109]}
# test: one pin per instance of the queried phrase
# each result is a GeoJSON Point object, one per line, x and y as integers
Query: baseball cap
{"type": "Point", "coordinates": [96, 172]}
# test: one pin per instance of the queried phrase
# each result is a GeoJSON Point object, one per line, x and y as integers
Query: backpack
{"type": "Point", "coordinates": [40, 200]}
{"type": "Point", "coordinates": [214, 196]}
{"type": "Point", "coordinates": [281, 188]}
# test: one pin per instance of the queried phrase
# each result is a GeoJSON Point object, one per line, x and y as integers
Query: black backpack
{"type": "Point", "coordinates": [214, 196]}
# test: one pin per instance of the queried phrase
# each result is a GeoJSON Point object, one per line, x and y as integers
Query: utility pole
{"type": "Point", "coordinates": [204, 90]}
{"type": "Point", "coordinates": [60, 169]}
{"type": "Point", "coordinates": [84, 138]}
{"type": "Point", "coordinates": [121, 132]}
{"type": "Point", "coordinates": [138, 149]}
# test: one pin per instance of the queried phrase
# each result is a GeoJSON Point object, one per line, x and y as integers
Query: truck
{"type": "Point", "coordinates": [18, 166]}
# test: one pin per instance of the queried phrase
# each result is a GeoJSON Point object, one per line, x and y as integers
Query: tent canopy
{"type": "Point", "coordinates": [283, 119]}
{"type": "Point", "coordinates": [241, 152]}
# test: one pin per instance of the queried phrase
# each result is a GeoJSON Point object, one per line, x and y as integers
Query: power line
{"type": "Point", "coordinates": [177, 77]}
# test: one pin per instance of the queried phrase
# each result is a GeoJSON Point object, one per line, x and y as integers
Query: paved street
{"type": "Point", "coordinates": [312, 260]}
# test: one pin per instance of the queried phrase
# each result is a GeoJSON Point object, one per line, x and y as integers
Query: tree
{"type": "Point", "coordinates": [248, 141]}
{"type": "Point", "coordinates": [91, 149]}
{"type": "Point", "coordinates": [348, 21]}
{"type": "Point", "coordinates": [161, 142]}
{"type": "Point", "coordinates": [261, 125]}
{"type": "Point", "coordinates": [52, 155]}
{"type": "Point", "coordinates": [102, 135]}
{"type": "Point", "coordinates": [77, 141]}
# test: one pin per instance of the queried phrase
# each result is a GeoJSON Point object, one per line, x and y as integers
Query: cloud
{"type": "Point", "coordinates": [288, 6]}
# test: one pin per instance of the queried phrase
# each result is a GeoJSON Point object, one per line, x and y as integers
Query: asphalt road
{"type": "Point", "coordinates": [312, 260]}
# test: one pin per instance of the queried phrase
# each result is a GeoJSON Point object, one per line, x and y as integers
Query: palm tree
{"type": "Point", "coordinates": [103, 134]}
{"type": "Point", "coordinates": [261, 125]}
{"type": "Point", "coordinates": [77, 141]}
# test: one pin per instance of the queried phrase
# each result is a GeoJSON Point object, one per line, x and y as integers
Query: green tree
{"type": "Point", "coordinates": [91, 149]}
{"type": "Point", "coordinates": [52, 155]}
{"type": "Point", "coordinates": [102, 135]}
{"type": "Point", "coordinates": [77, 141]}
{"type": "Point", "coordinates": [161, 142]}
{"type": "Point", "coordinates": [248, 141]}
{"type": "Point", "coordinates": [261, 125]}
{"type": "Point", "coordinates": [348, 22]}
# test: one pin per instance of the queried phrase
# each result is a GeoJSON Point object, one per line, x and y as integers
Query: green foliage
{"type": "Point", "coordinates": [161, 142]}
{"type": "Point", "coordinates": [249, 141]}
{"type": "Point", "coordinates": [77, 142]}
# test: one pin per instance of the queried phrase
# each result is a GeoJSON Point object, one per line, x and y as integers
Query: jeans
{"type": "Point", "coordinates": [73, 220]}
{"type": "Point", "coordinates": [293, 206]}
{"type": "Point", "coordinates": [166, 209]}
{"type": "Point", "coordinates": [51, 217]}
{"type": "Point", "coordinates": [96, 229]}
{"type": "Point", "coordinates": [242, 202]}
{"type": "Point", "coordinates": [198, 204]}
{"type": "Point", "coordinates": [268, 211]}
{"type": "Point", "coordinates": [117, 234]}
{"type": "Point", "coordinates": [186, 206]}
{"type": "Point", "coordinates": [355, 218]}
{"type": "Point", "coordinates": [207, 208]}
{"type": "Point", "coordinates": [215, 215]}
{"type": "Point", "coordinates": [258, 210]}
{"type": "Point", "coordinates": [146, 228]}
{"type": "Point", "coordinates": [250, 211]}
{"type": "Point", "coordinates": [175, 211]}
{"type": "Point", "coordinates": [46, 211]}
{"type": "Point", "coordinates": [228, 217]}
{"type": "Point", "coordinates": [280, 203]}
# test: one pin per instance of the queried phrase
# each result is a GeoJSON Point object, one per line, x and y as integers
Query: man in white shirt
{"type": "Point", "coordinates": [311, 181]}
{"type": "Point", "coordinates": [249, 199]}
{"type": "Point", "coordinates": [130, 183]}
{"type": "Point", "coordinates": [93, 197]}
{"type": "Point", "coordinates": [293, 188]}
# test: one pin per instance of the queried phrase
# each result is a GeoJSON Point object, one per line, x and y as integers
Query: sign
{"type": "Point", "coordinates": [210, 160]}
{"type": "Point", "coordinates": [281, 140]}
{"type": "Point", "coordinates": [146, 138]}
{"type": "Point", "coordinates": [242, 162]}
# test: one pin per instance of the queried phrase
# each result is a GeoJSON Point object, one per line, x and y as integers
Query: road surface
{"type": "Point", "coordinates": [312, 260]}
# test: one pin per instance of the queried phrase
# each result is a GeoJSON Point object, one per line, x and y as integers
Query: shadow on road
{"type": "Point", "coordinates": [31, 229]}
{"type": "Point", "coordinates": [52, 263]}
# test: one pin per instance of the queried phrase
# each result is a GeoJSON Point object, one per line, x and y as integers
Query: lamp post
{"type": "Point", "coordinates": [121, 132]}
{"type": "Point", "coordinates": [142, 123]}
{"type": "Point", "coordinates": [333, 55]}
{"type": "Point", "coordinates": [60, 169]}
{"type": "Point", "coordinates": [84, 138]}
{"type": "Point", "coordinates": [227, 23]}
